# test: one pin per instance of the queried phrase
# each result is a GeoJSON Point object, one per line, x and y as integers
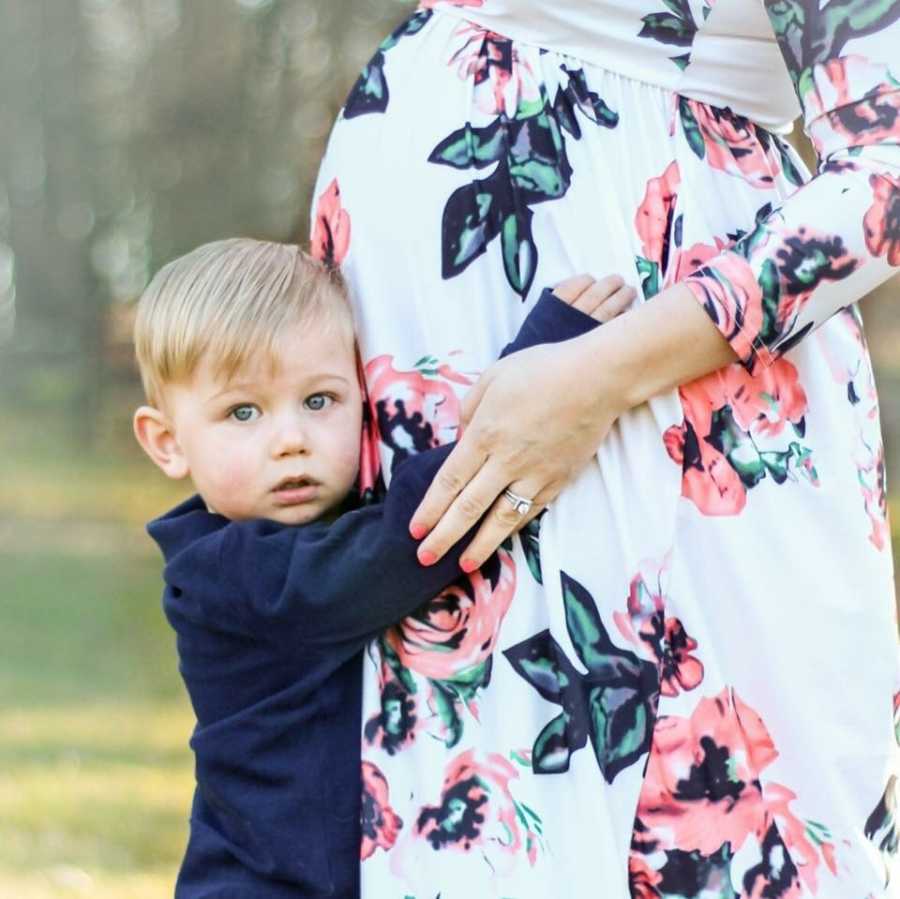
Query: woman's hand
{"type": "Point", "coordinates": [535, 419]}
{"type": "Point", "coordinates": [531, 423]}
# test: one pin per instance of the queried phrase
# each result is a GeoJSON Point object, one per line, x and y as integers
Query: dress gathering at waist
{"type": "Point", "coordinates": [732, 59]}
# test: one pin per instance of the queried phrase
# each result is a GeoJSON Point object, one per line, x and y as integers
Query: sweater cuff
{"type": "Point", "coordinates": [552, 320]}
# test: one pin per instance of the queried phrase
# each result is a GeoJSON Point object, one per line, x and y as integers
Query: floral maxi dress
{"type": "Point", "coordinates": [680, 681]}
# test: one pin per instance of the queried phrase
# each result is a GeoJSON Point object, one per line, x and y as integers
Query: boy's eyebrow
{"type": "Point", "coordinates": [233, 388]}
{"type": "Point", "coordinates": [238, 386]}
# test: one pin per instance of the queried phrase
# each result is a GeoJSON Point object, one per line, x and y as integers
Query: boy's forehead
{"type": "Point", "coordinates": [300, 352]}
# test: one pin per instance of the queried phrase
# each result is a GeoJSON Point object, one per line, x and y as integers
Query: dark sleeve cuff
{"type": "Point", "coordinates": [550, 321]}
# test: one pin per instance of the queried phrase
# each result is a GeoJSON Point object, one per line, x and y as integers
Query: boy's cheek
{"type": "Point", "coordinates": [227, 481]}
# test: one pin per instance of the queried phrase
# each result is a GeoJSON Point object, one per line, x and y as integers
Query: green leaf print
{"type": "Point", "coordinates": [538, 176]}
{"type": "Point", "coordinates": [445, 707]}
{"type": "Point", "coordinates": [474, 209]}
{"type": "Point", "coordinates": [552, 752]}
{"type": "Point", "coordinates": [791, 172]}
{"type": "Point", "coordinates": [583, 621]}
{"type": "Point", "coordinates": [675, 28]}
{"type": "Point", "coordinates": [648, 272]}
{"type": "Point", "coordinates": [691, 128]}
{"type": "Point", "coordinates": [529, 152]}
{"type": "Point", "coordinates": [577, 95]}
{"type": "Point", "coordinates": [620, 728]}
{"type": "Point", "coordinates": [613, 704]}
{"type": "Point", "coordinates": [519, 251]}
{"type": "Point", "coordinates": [531, 167]}
{"type": "Point", "coordinates": [531, 547]}
{"type": "Point", "coordinates": [471, 147]}
{"type": "Point", "coordinates": [545, 676]}
{"type": "Point", "coordinates": [668, 29]}
{"type": "Point", "coordinates": [770, 283]}
{"type": "Point", "coordinates": [370, 94]}
{"type": "Point", "coordinates": [809, 35]}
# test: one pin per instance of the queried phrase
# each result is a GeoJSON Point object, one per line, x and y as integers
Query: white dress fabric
{"type": "Point", "coordinates": [681, 680]}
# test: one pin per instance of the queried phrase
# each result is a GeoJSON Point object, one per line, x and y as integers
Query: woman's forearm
{"type": "Point", "coordinates": [655, 347]}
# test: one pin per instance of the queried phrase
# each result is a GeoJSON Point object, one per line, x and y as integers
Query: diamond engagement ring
{"type": "Point", "coordinates": [521, 505]}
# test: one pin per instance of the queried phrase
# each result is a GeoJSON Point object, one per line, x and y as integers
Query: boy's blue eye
{"type": "Point", "coordinates": [317, 401]}
{"type": "Point", "coordinates": [244, 413]}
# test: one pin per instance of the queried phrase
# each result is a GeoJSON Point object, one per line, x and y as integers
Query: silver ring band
{"type": "Point", "coordinates": [520, 504]}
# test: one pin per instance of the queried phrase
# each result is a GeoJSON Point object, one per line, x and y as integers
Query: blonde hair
{"type": "Point", "coordinates": [229, 301]}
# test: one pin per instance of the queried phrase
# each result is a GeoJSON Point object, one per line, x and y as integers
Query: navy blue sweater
{"type": "Point", "coordinates": [271, 621]}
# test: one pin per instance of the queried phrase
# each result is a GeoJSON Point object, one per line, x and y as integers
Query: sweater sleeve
{"type": "Point", "coordinates": [838, 236]}
{"type": "Point", "coordinates": [551, 320]}
{"type": "Point", "coordinates": [340, 583]}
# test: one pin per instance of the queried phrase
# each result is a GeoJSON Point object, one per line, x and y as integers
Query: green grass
{"type": "Point", "coordinates": [95, 774]}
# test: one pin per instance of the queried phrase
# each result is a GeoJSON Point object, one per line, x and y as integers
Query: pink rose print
{"type": "Point", "coordinates": [731, 143]}
{"type": "Point", "coordinates": [804, 259]}
{"type": "Point", "coordinates": [642, 879]}
{"type": "Point", "coordinates": [689, 260]}
{"type": "Point", "coordinates": [414, 410]}
{"type": "Point", "coordinates": [758, 311]}
{"type": "Point", "coordinates": [882, 221]}
{"type": "Point", "coordinates": [852, 102]}
{"type": "Point", "coordinates": [731, 420]}
{"type": "Point", "coordinates": [435, 662]}
{"type": "Point", "coordinates": [457, 630]}
{"type": "Point", "coordinates": [380, 823]}
{"type": "Point", "coordinates": [733, 298]}
{"type": "Point", "coordinates": [656, 226]}
{"type": "Point", "coordinates": [852, 369]}
{"type": "Point", "coordinates": [503, 81]}
{"type": "Point", "coordinates": [765, 402]}
{"type": "Point", "coordinates": [330, 239]}
{"type": "Point", "coordinates": [704, 797]}
{"type": "Point", "coordinates": [477, 811]}
{"type": "Point", "coordinates": [871, 472]}
{"type": "Point", "coordinates": [369, 481]}
{"type": "Point", "coordinates": [395, 726]}
{"type": "Point", "coordinates": [708, 480]}
{"type": "Point", "coordinates": [450, 642]}
{"type": "Point", "coordinates": [658, 638]}
{"type": "Point", "coordinates": [653, 219]}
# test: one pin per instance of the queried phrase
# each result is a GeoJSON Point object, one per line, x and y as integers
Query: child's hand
{"type": "Point", "coordinates": [602, 300]}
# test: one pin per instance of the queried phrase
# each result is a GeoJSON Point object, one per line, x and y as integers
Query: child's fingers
{"type": "Point", "coordinates": [572, 288]}
{"type": "Point", "coordinates": [591, 298]}
{"type": "Point", "coordinates": [615, 304]}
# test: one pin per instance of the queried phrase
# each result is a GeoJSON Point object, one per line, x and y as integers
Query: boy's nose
{"type": "Point", "coordinates": [290, 440]}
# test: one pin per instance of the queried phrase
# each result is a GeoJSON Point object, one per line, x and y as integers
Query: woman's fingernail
{"type": "Point", "coordinates": [418, 531]}
{"type": "Point", "coordinates": [426, 557]}
{"type": "Point", "coordinates": [468, 565]}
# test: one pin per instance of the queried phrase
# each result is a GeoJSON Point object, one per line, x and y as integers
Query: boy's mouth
{"type": "Point", "coordinates": [293, 491]}
{"type": "Point", "coordinates": [294, 483]}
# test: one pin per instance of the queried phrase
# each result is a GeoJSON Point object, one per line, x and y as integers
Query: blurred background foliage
{"type": "Point", "coordinates": [131, 131]}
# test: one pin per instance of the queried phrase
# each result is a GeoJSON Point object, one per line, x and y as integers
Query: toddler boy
{"type": "Point", "coordinates": [274, 583]}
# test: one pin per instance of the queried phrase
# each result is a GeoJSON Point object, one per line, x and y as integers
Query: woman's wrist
{"type": "Point", "coordinates": [655, 347]}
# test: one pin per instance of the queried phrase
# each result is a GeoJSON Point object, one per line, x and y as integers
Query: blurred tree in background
{"type": "Point", "coordinates": [133, 130]}
{"type": "Point", "coordinates": [130, 132]}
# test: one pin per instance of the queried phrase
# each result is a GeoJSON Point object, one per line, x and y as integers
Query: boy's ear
{"type": "Point", "coordinates": [156, 436]}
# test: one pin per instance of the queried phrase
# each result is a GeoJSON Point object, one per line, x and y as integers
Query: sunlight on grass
{"type": "Point", "coordinates": [67, 882]}
{"type": "Point", "coordinates": [94, 799]}
{"type": "Point", "coordinates": [95, 772]}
